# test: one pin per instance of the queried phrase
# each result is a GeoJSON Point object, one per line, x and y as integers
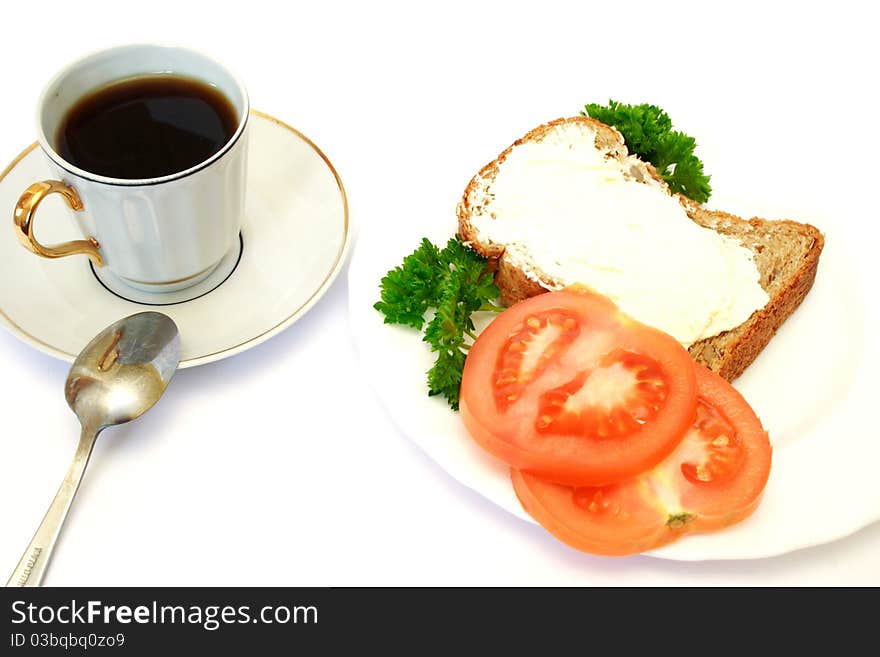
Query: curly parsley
{"type": "Point", "coordinates": [456, 283]}
{"type": "Point", "coordinates": [647, 131]}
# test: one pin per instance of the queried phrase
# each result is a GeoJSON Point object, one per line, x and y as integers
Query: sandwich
{"type": "Point", "coordinates": [567, 203]}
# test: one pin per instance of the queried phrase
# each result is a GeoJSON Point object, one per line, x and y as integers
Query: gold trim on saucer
{"type": "Point", "coordinates": [6, 318]}
{"type": "Point", "coordinates": [19, 158]}
{"type": "Point", "coordinates": [333, 269]}
{"type": "Point", "coordinates": [205, 358]}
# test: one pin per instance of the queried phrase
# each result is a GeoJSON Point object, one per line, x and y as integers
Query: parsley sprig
{"type": "Point", "coordinates": [647, 131]}
{"type": "Point", "coordinates": [456, 283]}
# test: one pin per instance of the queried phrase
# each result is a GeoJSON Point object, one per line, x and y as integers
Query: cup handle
{"type": "Point", "coordinates": [25, 210]}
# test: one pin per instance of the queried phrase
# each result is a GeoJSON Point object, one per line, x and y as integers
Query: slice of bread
{"type": "Point", "coordinates": [786, 253]}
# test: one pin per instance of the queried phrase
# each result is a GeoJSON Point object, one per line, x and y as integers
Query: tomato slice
{"type": "Point", "coordinates": [714, 478]}
{"type": "Point", "coordinates": [567, 387]}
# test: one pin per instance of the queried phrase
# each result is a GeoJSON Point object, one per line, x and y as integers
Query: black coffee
{"type": "Point", "coordinates": [146, 127]}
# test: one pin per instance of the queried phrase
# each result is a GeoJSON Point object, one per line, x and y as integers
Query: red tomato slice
{"type": "Point", "coordinates": [714, 478]}
{"type": "Point", "coordinates": [567, 387]}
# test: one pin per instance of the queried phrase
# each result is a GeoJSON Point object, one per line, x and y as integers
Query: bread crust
{"type": "Point", "coordinates": [740, 346]}
{"type": "Point", "coordinates": [728, 353]}
{"type": "Point", "coordinates": [514, 284]}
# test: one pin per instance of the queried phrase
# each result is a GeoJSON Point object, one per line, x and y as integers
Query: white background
{"type": "Point", "coordinates": [279, 466]}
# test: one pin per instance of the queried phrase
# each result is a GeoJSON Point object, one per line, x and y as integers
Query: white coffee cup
{"type": "Point", "coordinates": [158, 234]}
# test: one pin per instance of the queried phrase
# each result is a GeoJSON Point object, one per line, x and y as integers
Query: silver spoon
{"type": "Point", "coordinates": [119, 375]}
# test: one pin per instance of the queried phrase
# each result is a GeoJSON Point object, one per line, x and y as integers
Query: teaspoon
{"type": "Point", "coordinates": [116, 378]}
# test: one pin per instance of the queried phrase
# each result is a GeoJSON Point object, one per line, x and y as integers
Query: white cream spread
{"type": "Point", "coordinates": [563, 209]}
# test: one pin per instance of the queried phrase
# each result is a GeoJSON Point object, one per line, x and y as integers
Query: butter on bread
{"type": "Point", "coordinates": [783, 255]}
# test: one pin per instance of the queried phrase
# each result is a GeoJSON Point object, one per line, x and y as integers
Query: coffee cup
{"type": "Point", "coordinates": [147, 146]}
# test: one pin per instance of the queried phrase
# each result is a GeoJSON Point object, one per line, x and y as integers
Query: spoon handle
{"type": "Point", "coordinates": [35, 559]}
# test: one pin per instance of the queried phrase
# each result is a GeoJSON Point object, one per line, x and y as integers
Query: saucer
{"type": "Point", "coordinates": [293, 243]}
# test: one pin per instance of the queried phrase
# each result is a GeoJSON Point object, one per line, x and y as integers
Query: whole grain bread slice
{"type": "Point", "coordinates": [786, 252]}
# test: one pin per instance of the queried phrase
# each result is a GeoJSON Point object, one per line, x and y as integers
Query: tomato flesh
{"type": "Point", "coordinates": [714, 478]}
{"type": "Point", "coordinates": [567, 387]}
{"type": "Point", "coordinates": [614, 399]}
{"type": "Point", "coordinates": [529, 350]}
{"type": "Point", "coordinates": [719, 451]}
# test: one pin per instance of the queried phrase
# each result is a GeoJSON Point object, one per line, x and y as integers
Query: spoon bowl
{"type": "Point", "coordinates": [124, 370]}
{"type": "Point", "coordinates": [116, 378]}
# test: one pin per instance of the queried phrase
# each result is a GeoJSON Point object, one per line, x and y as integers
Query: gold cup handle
{"type": "Point", "coordinates": [25, 210]}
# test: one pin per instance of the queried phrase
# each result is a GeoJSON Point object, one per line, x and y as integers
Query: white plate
{"type": "Point", "coordinates": [814, 387]}
{"type": "Point", "coordinates": [295, 237]}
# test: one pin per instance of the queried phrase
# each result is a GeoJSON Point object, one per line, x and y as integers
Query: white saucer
{"type": "Point", "coordinates": [294, 240]}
